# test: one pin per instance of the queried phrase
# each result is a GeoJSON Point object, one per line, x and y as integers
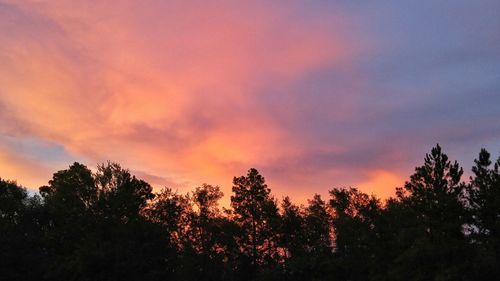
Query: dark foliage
{"type": "Point", "coordinates": [109, 225]}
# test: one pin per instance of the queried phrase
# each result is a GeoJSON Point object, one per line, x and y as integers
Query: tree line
{"type": "Point", "coordinates": [110, 225]}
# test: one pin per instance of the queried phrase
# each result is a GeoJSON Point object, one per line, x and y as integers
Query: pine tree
{"type": "Point", "coordinates": [256, 212]}
{"type": "Point", "coordinates": [434, 199]}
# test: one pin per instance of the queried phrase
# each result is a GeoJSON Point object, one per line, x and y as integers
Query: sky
{"type": "Point", "coordinates": [314, 94]}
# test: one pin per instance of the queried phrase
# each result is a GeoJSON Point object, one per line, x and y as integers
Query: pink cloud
{"type": "Point", "coordinates": [168, 88]}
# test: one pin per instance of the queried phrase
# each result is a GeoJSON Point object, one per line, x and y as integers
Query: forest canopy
{"type": "Point", "coordinates": [111, 225]}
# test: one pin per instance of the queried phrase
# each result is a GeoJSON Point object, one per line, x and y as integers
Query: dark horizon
{"type": "Point", "coordinates": [110, 225]}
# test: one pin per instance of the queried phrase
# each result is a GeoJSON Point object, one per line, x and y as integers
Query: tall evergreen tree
{"type": "Point", "coordinates": [255, 211]}
{"type": "Point", "coordinates": [434, 198]}
{"type": "Point", "coordinates": [484, 203]}
{"type": "Point", "coordinates": [485, 196]}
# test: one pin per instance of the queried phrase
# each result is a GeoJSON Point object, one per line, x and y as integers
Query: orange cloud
{"type": "Point", "coordinates": [167, 88]}
{"type": "Point", "coordinates": [381, 183]}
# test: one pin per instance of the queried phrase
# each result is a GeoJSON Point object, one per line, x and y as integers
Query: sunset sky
{"type": "Point", "coordinates": [314, 94]}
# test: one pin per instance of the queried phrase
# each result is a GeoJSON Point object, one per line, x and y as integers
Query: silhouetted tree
{"type": "Point", "coordinates": [317, 222]}
{"type": "Point", "coordinates": [436, 216]}
{"type": "Point", "coordinates": [205, 199]}
{"type": "Point", "coordinates": [203, 249]}
{"type": "Point", "coordinates": [12, 202]}
{"type": "Point", "coordinates": [121, 194]}
{"type": "Point", "coordinates": [355, 220]}
{"type": "Point", "coordinates": [255, 212]}
{"type": "Point", "coordinates": [170, 211]}
{"type": "Point", "coordinates": [70, 200]}
{"type": "Point", "coordinates": [484, 204]}
{"type": "Point", "coordinates": [317, 239]}
{"type": "Point", "coordinates": [292, 240]}
{"type": "Point", "coordinates": [138, 248]}
{"type": "Point", "coordinates": [96, 229]}
{"type": "Point", "coordinates": [21, 246]}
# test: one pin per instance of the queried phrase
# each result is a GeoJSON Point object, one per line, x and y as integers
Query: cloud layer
{"type": "Point", "coordinates": [314, 96]}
